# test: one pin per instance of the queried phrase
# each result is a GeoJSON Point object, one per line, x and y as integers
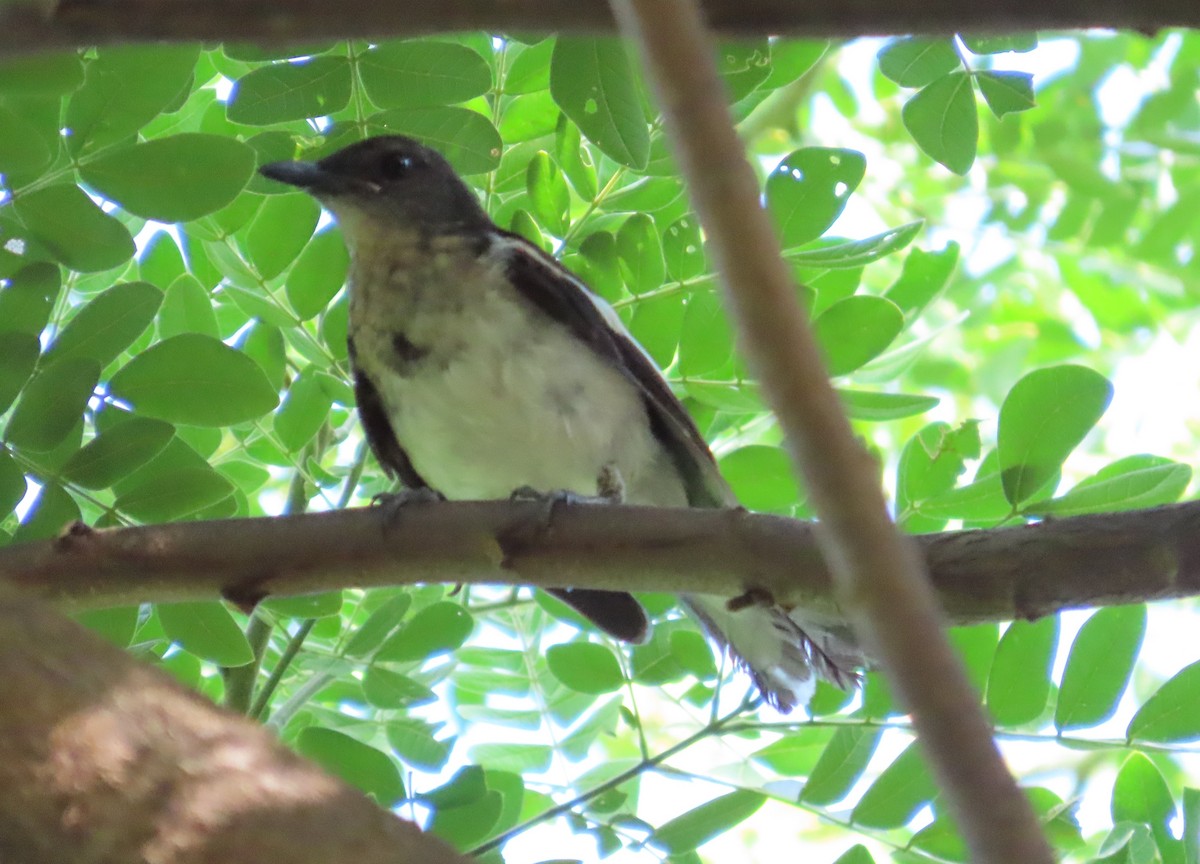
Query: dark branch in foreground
{"type": "Point", "coordinates": [36, 25]}
{"type": "Point", "coordinates": [103, 758]}
{"type": "Point", "coordinates": [997, 574]}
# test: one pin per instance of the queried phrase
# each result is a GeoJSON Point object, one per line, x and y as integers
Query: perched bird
{"type": "Point", "coordinates": [482, 366]}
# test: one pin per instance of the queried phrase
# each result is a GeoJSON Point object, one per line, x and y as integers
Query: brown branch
{"type": "Point", "coordinates": [992, 575]}
{"type": "Point", "coordinates": [42, 24]}
{"type": "Point", "coordinates": [877, 573]}
{"type": "Point", "coordinates": [103, 758]}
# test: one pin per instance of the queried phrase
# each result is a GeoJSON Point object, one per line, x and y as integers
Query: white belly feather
{"type": "Point", "coordinates": [508, 398]}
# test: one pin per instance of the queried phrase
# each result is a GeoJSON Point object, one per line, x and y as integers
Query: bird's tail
{"type": "Point", "coordinates": [784, 653]}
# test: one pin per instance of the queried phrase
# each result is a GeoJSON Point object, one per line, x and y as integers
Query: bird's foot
{"type": "Point", "coordinates": [394, 502]}
{"type": "Point", "coordinates": [750, 597]}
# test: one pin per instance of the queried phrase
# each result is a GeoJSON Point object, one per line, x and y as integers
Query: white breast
{"type": "Point", "coordinates": [514, 400]}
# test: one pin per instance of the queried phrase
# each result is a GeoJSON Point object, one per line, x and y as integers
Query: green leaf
{"type": "Point", "coordinates": [923, 277]}
{"type": "Point", "coordinates": [186, 308]}
{"type": "Point", "coordinates": [286, 91]}
{"type": "Point", "coordinates": [117, 625]}
{"type": "Point", "coordinates": [1099, 666]}
{"type": "Point", "coordinates": [1170, 714]}
{"type": "Point", "coordinates": [280, 231]}
{"type": "Point", "coordinates": [942, 120]}
{"type": "Point", "coordinates": [915, 61]}
{"type": "Point", "coordinates": [173, 179]}
{"type": "Point", "coordinates": [902, 789]}
{"type": "Point", "coordinates": [26, 301]}
{"type": "Point", "coordinates": [1191, 825]}
{"type": "Point", "coordinates": [467, 825]}
{"type": "Point", "coordinates": [1043, 418]}
{"type": "Point", "coordinates": [711, 819]}
{"type": "Point", "coordinates": [998, 44]}
{"type": "Point", "coordinates": [52, 404]}
{"type": "Point", "coordinates": [533, 758]}
{"type": "Point", "coordinates": [864, 405]}
{"type": "Point", "coordinates": [762, 477]}
{"type": "Point", "coordinates": [593, 82]}
{"type": "Point", "coordinates": [434, 630]}
{"type": "Point", "coordinates": [124, 88]}
{"type": "Point", "coordinates": [117, 452]}
{"type": "Point", "coordinates": [574, 159]}
{"type": "Point", "coordinates": [1019, 682]}
{"type": "Point", "coordinates": [466, 138]}
{"type": "Point", "coordinates": [414, 742]}
{"type": "Point", "coordinates": [379, 625]}
{"type": "Point", "coordinates": [357, 763]}
{"type": "Point", "coordinates": [706, 340]}
{"type": "Point", "coordinates": [585, 667]}
{"type": "Point", "coordinates": [854, 331]}
{"type": "Point", "coordinates": [848, 254]}
{"type": "Point", "coordinates": [549, 199]}
{"type": "Point", "coordinates": [683, 249]}
{"type": "Point", "coordinates": [326, 604]}
{"type": "Point", "coordinates": [74, 229]}
{"type": "Point", "coordinates": [840, 766]}
{"type": "Point", "coordinates": [1141, 794]}
{"type": "Point", "coordinates": [51, 73]}
{"type": "Point", "coordinates": [318, 274]}
{"type": "Point", "coordinates": [387, 689]}
{"type": "Point", "coordinates": [206, 630]}
{"type": "Point", "coordinates": [528, 118]}
{"type": "Point", "coordinates": [797, 753]}
{"type": "Point", "coordinates": [640, 254]}
{"type": "Point", "coordinates": [530, 71]}
{"type": "Point", "coordinates": [929, 466]}
{"type": "Point", "coordinates": [197, 380]}
{"type": "Point", "coordinates": [1007, 92]}
{"type": "Point", "coordinates": [12, 483]}
{"type": "Point", "coordinates": [170, 495]}
{"type": "Point", "coordinates": [655, 663]}
{"type": "Point", "coordinates": [23, 147]}
{"type": "Point", "coordinates": [421, 73]}
{"type": "Point", "coordinates": [18, 356]}
{"type": "Point", "coordinates": [808, 190]}
{"type": "Point", "coordinates": [1128, 484]}
{"type": "Point", "coordinates": [108, 324]}
{"type": "Point", "coordinates": [305, 408]}
{"type": "Point", "coordinates": [51, 511]}
{"type": "Point", "coordinates": [265, 345]}
{"type": "Point", "coordinates": [857, 854]}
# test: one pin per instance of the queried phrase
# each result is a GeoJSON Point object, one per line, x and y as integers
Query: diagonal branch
{"type": "Point", "coordinates": [877, 573]}
{"type": "Point", "coordinates": [103, 758]}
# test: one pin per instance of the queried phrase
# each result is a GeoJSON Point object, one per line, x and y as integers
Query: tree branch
{"type": "Point", "coordinates": [877, 572]}
{"type": "Point", "coordinates": [992, 575]}
{"type": "Point", "coordinates": [41, 24]}
{"type": "Point", "coordinates": [104, 759]}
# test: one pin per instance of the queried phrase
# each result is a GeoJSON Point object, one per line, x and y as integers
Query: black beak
{"type": "Point", "coordinates": [309, 176]}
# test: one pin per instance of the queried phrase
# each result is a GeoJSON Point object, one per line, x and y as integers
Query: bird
{"type": "Point", "coordinates": [482, 366]}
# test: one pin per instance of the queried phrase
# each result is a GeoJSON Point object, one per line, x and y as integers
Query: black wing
{"type": "Point", "coordinates": [379, 432]}
{"type": "Point", "coordinates": [560, 294]}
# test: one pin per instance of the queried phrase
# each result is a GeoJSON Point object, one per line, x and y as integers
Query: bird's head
{"type": "Point", "coordinates": [389, 183]}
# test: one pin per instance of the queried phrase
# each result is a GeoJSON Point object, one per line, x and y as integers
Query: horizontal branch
{"type": "Point", "coordinates": [41, 24]}
{"type": "Point", "coordinates": [990, 575]}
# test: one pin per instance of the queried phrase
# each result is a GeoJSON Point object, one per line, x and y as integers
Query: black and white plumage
{"type": "Point", "coordinates": [482, 365]}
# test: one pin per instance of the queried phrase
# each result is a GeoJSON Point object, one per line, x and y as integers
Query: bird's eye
{"type": "Point", "coordinates": [393, 166]}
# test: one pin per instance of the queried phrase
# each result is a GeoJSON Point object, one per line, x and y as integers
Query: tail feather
{"type": "Point", "coordinates": [785, 654]}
